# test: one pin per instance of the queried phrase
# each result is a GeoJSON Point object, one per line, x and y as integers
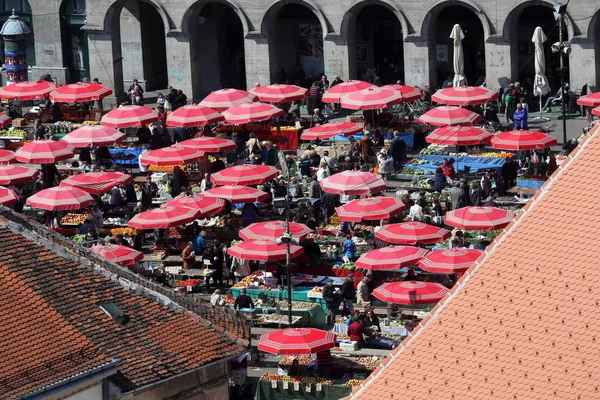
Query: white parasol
{"type": "Point", "coordinates": [540, 86]}
{"type": "Point", "coordinates": [459, 58]}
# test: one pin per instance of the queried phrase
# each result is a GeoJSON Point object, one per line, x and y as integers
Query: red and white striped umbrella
{"type": "Point", "coordinates": [277, 93]}
{"type": "Point", "coordinates": [464, 95]}
{"type": "Point", "coordinates": [245, 174]}
{"type": "Point", "coordinates": [459, 136]}
{"type": "Point", "coordinates": [223, 99]}
{"type": "Point", "coordinates": [370, 209]}
{"type": "Point", "coordinates": [27, 90]}
{"type": "Point", "coordinates": [97, 182]}
{"type": "Point", "coordinates": [263, 250]}
{"type": "Point", "coordinates": [193, 115]}
{"type": "Point", "coordinates": [94, 135]}
{"type": "Point", "coordinates": [479, 218]}
{"type": "Point", "coordinates": [410, 292]}
{"type": "Point", "coordinates": [7, 156]}
{"type": "Point", "coordinates": [332, 129]}
{"type": "Point", "coordinates": [5, 120]}
{"type": "Point", "coordinates": [409, 93]}
{"type": "Point", "coordinates": [353, 182]}
{"type": "Point", "coordinates": [391, 257]}
{"type": "Point", "coordinates": [79, 92]}
{"type": "Point", "coordinates": [7, 196]}
{"type": "Point", "coordinates": [209, 144]}
{"type": "Point", "coordinates": [129, 117]}
{"type": "Point", "coordinates": [412, 233]}
{"type": "Point", "coordinates": [173, 155]}
{"type": "Point", "coordinates": [590, 100]}
{"type": "Point", "coordinates": [251, 112]}
{"type": "Point", "coordinates": [121, 255]}
{"type": "Point", "coordinates": [237, 194]}
{"type": "Point", "coordinates": [163, 217]}
{"type": "Point", "coordinates": [449, 115]}
{"type": "Point", "coordinates": [273, 230]}
{"type": "Point", "coordinates": [296, 341]}
{"type": "Point", "coordinates": [10, 174]}
{"type": "Point", "coordinates": [44, 152]}
{"type": "Point", "coordinates": [205, 204]}
{"type": "Point", "coordinates": [449, 261]}
{"type": "Point", "coordinates": [372, 98]}
{"type": "Point", "coordinates": [522, 140]}
{"type": "Point", "coordinates": [334, 94]}
{"type": "Point", "coordinates": [60, 198]}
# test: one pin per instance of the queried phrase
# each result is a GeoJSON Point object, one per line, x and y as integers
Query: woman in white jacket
{"type": "Point", "coordinates": [383, 163]}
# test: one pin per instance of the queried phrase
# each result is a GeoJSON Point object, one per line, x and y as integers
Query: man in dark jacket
{"type": "Point", "coordinates": [332, 300]}
{"type": "Point", "coordinates": [458, 197]}
{"type": "Point", "coordinates": [509, 173]}
{"type": "Point", "coordinates": [349, 293]}
{"type": "Point", "coordinates": [398, 150]}
{"type": "Point", "coordinates": [475, 195]}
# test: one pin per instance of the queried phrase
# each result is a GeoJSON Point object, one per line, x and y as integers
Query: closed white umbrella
{"type": "Point", "coordinates": [458, 59]}
{"type": "Point", "coordinates": [540, 86]}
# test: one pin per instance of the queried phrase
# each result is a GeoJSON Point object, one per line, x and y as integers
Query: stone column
{"type": "Point", "coordinates": [416, 61]}
{"type": "Point", "coordinates": [583, 65]}
{"type": "Point", "coordinates": [48, 43]}
{"type": "Point", "coordinates": [256, 49]}
{"type": "Point", "coordinates": [179, 66]}
{"type": "Point", "coordinates": [335, 52]}
{"type": "Point", "coordinates": [106, 62]}
{"type": "Point", "coordinates": [131, 44]}
{"type": "Point", "coordinates": [497, 62]}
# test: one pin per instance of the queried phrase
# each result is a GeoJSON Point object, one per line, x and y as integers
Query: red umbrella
{"type": "Point", "coordinates": [209, 144]}
{"type": "Point", "coordinates": [163, 217]}
{"type": "Point", "coordinates": [5, 120]}
{"type": "Point", "coordinates": [373, 208]}
{"type": "Point", "coordinates": [449, 261]}
{"type": "Point", "coordinates": [522, 140]}
{"type": "Point", "coordinates": [372, 98]}
{"type": "Point", "coordinates": [332, 129]}
{"type": "Point", "coordinates": [479, 218]}
{"type": "Point", "coordinates": [60, 199]}
{"type": "Point", "coordinates": [412, 233]}
{"type": "Point", "coordinates": [79, 92]}
{"type": "Point", "coordinates": [459, 136]}
{"type": "Point", "coordinates": [122, 255]}
{"type": "Point", "coordinates": [97, 182]}
{"type": "Point", "coordinates": [129, 117]}
{"type": "Point", "coordinates": [279, 93]}
{"type": "Point", "coordinates": [7, 156]}
{"type": "Point", "coordinates": [223, 99]}
{"type": "Point", "coordinates": [205, 204]}
{"type": "Point", "coordinates": [353, 182]}
{"type": "Point", "coordinates": [273, 230]}
{"type": "Point", "coordinates": [410, 292]}
{"type": "Point", "coordinates": [44, 152]}
{"type": "Point", "coordinates": [409, 93]}
{"type": "Point", "coordinates": [26, 90]}
{"type": "Point", "coordinates": [237, 194]}
{"type": "Point", "coordinates": [7, 196]}
{"type": "Point", "coordinates": [263, 250]}
{"type": "Point", "coordinates": [245, 174]}
{"type": "Point", "coordinates": [449, 115]}
{"type": "Point", "coordinates": [251, 112]}
{"type": "Point", "coordinates": [10, 174]}
{"type": "Point", "coordinates": [296, 341]}
{"type": "Point", "coordinates": [590, 100]}
{"type": "Point", "coordinates": [193, 115]}
{"type": "Point", "coordinates": [334, 94]}
{"type": "Point", "coordinates": [94, 135]}
{"type": "Point", "coordinates": [391, 257]}
{"type": "Point", "coordinates": [173, 155]}
{"type": "Point", "coordinates": [464, 95]}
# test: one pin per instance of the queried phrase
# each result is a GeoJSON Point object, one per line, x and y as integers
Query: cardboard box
{"type": "Point", "coordinates": [349, 345]}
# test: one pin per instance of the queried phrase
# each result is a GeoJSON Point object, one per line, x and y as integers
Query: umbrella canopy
{"type": "Point", "coordinates": [27, 90]}
{"type": "Point", "coordinates": [97, 182]}
{"type": "Point", "coordinates": [223, 99]}
{"type": "Point", "coordinates": [206, 205]}
{"type": "Point", "coordinates": [173, 155]}
{"type": "Point", "coordinates": [251, 112]}
{"type": "Point", "coordinates": [410, 292]}
{"type": "Point", "coordinates": [409, 93]}
{"type": "Point", "coordinates": [459, 136]}
{"type": "Point", "coordinates": [334, 94]}
{"type": "Point", "coordinates": [122, 255]}
{"type": "Point", "coordinates": [129, 117]}
{"type": "Point", "coordinates": [209, 144]}
{"type": "Point", "coordinates": [590, 100]}
{"type": "Point", "coordinates": [353, 182]}
{"type": "Point", "coordinates": [391, 257]}
{"type": "Point", "coordinates": [237, 194]}
{"type": "Point", "coordinates": [479, 218]}
{"type": "Point", "coordinates": [94, 135]}
{"type": "Point", "coordinates": [296, 341]}
{"type": "Point", "coordinates": [7, 196]}
{"type": "Point", "coordinates": [372, 98]}
{"type": "Point", "coordinates": [458, 60]}
{"type": "Point", "coordinates": [279, 93]}
{"type": "Point", "coordinates": [540, 83]}
{"type": "Point", "coordinates": [449, 115]}
{"type": "Point", "coordinates": [596, 111]}
{"type": "Point", "coordinates": [464, 95]}
{"type": "Point", "coordinates": [193, 115]}
{"type": "Point", "coordinates": [44, 152]}
{"type": "Point", "coordinates": [60, 199]}
{"type": "Point", "coordinates": [7, 156]}
{"type": "Point", "coordinates": [522, 140]}
{"type": "Point", "coordinates": [332, 129]}
{"type": "Point", "coordinates": [370, 209]}
{"type": "Point", "coordinates": [79, 92]}
{"type": "Point", "coordinates": [449, 261]}
{"type": "Point", "coordinates": [412, 233]}
{"type": "Point", "coordinates": [5, 120]}
{"type": "Point", "coordinates": [273, 230]}
{"type": "Point", "coordinates": [263, 250]}
{"type": "Point", "coordinates": [163, 217]}
{"type": "Point", "coordinates": [10, 174]}
{"type": "Point", "coordinates": [245, 174]}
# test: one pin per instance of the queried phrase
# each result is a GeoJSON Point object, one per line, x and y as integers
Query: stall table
{"type": "Point", "coordinates": [266, 391]}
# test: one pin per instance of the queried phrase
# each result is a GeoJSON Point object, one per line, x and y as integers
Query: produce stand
{"type": "Point", "coordinates": [277, 319]}
{"type": "Point", "coordinates": [297, 295]}
{"type": "Point", "coordinates": [268, 391]}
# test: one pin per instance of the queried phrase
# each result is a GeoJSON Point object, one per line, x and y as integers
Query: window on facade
{"type": "Point", "coordinates": [75, 7]}
{"type": "Point", "coordinates": [20, 6]}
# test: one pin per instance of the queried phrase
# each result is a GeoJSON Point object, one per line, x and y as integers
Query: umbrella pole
{"type": "Point", "coordinates": [287, 252]}
{"type": "Point", "coordinates": [541, 118]}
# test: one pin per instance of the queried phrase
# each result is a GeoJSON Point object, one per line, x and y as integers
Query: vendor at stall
{"type": "Point", "coordinates": [362, 292]}
{"type": "Point", "coordinates": [243, 301]}
{"type": "Point", "coordinates": [294, 369]}
{"type": "Point", "coordinates": [349, 248]}
{"type": "Point", "coordinates": [357, 331]}
{"type": "Point", "coordinates": [372, 320]}
{"type": "Point", "coordinates": [348, 293]}
{"type": "Point", "coordinates": [323, 363]}
{"type": "Point", "coordinates": [332, 301]}
{"type": "Point", "coordinates": [189, 257]}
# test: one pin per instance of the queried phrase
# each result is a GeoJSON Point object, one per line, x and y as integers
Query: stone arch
{"type": "Point", "coordinates": [197, 6]}
{"type": "Point", "coordinates": [114, 11]}
{"type": "Point", "coordinates": [515, 13]}
{"type": "Point", "coordinates": [276, 5]}
{"type": "Point", "coordinates": [468, 4]}
{"type": "Point", "coordinates": [593, 26]}
{"type": "Point", "coordinates": [358, 5]}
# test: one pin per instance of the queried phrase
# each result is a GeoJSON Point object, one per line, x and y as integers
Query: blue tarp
{"type": "Point", "coordinates": [127, 152]}
{"type": "Point", "coordinates": [530, 184]}
{"type": "Point", "coordinates": [408, 137]}
{"type": "Point", "coordinates": [430, 168]}
{"type": "Point", "coordinates": [462, 160]}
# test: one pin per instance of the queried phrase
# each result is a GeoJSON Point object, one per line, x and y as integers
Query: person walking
{"type": "Point", "coordinates": [362, 292]}
{"type": "Point", "coordinates": [398, 151]}
{"type": "Point", "coordinates": [332, 301]}
{"type": "Point", "coordinates": [349, 293]}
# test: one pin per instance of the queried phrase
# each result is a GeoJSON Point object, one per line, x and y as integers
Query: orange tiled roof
{"type": "Point", "coordinates": [523, 322]}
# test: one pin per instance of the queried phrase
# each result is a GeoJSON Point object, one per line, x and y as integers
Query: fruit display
{"type": "Point", "coordinates": [341, 320]}
{"type": "Point", "coordinates": [353, 382]}
{"type": "Point", "coordinates": [163, 168]}
{"type": "Point", "coordinates": [277, 319]}
{"type": "Point", "coordinates": [297, 305]}
{"type": "Point", "coordinates": [215, 222]}
{"type": "Point", "coordinates": [256, 280]}
{"type": "Point", "coordinates": [121, 231]}
{"type": "Point", "coordinates": [418, 161]}
{"type": "Point", "coordinates": [78, 238]}
{"type": "Point", "coordinates": [73, 219]}
{"type": "Point", "coordinates": [302, 360]}
{"type": "Point", "coordinates": [13, 133]}
{"type": "Point", "coordinates": [305, 380]}
{"type": "Point", "coordinates": [370, 363]}
{"type": "Point", "coordinates": [228, 300]}
{"type": "Point", "coordinates": [19, 122]}
{"type": "Point", "coordinates": [349, 266]}
{"type": "Point", "coordinates": [189, 282]}
{"type": "Point", "coordinates": [342, 336]}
